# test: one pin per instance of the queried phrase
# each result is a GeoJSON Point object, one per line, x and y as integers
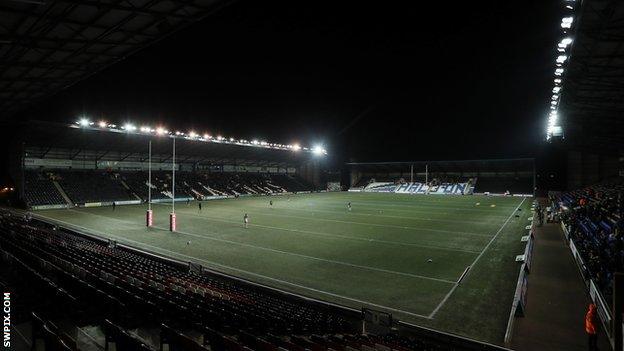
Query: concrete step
{"type": "Point", "coordinates": [63, 194]}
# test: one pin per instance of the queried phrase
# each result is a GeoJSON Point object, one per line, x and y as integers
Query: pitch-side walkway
{"type": "Point", "coordinates": [557, 300]}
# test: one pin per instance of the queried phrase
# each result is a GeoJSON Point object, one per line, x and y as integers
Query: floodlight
{"type": "Point", "coordinates": [318, 150]}
{"type": "Point", "coordinates": [561, 58]}
{"type": "Point", "coordinates": [206, 136]}
{"type": "Point", "coordinates": [145, 129]}
{"type": "Point", "coordinates": [129, 127]}
{"type": "Point", "coordinates": [192, 134]}
{"type": "Point", "coordinates": [559, 71]}
{"type": "Point", "coordinates": [160, 131]}
{"type": "Point", "coordinates": [566, 22]}
{"type": "Point", "coordinates": [84, 122]}
{"type": "Point", "coordinates": [556, 89]}
{"type": "Point", "coordinates": [557, 80]}
{"type": "Point", "coordinates": [296, 147]}
{"type": "Point", "coordinates": [102, 124]}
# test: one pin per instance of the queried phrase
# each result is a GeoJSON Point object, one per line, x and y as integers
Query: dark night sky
{"type": "Point", "coordinates": [372, 81]}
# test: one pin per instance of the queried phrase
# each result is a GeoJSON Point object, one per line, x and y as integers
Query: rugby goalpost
{"type": "Point", "coordinates": [149, 215]}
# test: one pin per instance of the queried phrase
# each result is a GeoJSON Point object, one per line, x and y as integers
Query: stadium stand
{"type": "Point", "coordinates": [496, 176]}
{"type": "Point", "coordinates": [292, 183]}
{"type": "Point", "coordinates": [40, 190]}
{"type": "Point", "coordinates": [105, 187]}
{"type": "Point", "coordinates": [95, 165]}
{"type": "Point", "coordinates": [594, 219]}
{"type": "Point", "coordinates": [98, 186]}
{"type": "Point", "coordinates": [192, 310]}
{"type": "Point", "coordinates": [161, 185]}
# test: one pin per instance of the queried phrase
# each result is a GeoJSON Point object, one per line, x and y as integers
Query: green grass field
{"type": "Point", "coordinates": [375, 255]}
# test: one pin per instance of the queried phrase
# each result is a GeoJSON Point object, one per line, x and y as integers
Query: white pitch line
{"type": "Point", "coordinates": [310, 257]}
{"type": "Point", "coordinates": [375, 214]}
{"type": "Point", "coordinates": [379, 225]}
{"type": "Point", "coordinates": [209, 237]}
{"type": "Point", "coordinates": [328, 235]}
{"type": "Point", "coordinates": [331, 235]}
{"type": "Point", "coordinates": [350, 213]}
{"type": "Point", "coordinates": [433, 313]}
{"type": "Point", "coordinates": [173, 253]}
{"type": "Point", "coordinates": [420, 205]}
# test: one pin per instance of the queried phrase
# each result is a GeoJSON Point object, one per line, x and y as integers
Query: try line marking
{"type": "Point", "coordinates": [172, 253]}
{"type": "Point", "coordinates": [433, 313]}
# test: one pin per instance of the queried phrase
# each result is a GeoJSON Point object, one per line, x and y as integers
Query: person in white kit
{"type": "Point", "coordinates": [246, 221]}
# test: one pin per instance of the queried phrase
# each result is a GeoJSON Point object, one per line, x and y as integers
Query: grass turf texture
{"type": "Point", "coordinates": [375, 255]}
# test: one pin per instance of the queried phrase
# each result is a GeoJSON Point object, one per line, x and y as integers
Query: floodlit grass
{"type": "Point", "coordinates": [399, 253]}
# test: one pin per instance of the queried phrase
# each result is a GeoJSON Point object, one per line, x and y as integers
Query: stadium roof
{"type": "Point", "coordinates": [55, 140]}
{"type": "Point", "coordinates": [46, 46]}
{"type": "Point", "coordinates": [592, 89]}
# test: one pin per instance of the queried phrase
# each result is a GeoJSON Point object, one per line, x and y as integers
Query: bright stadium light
{"type": "Point", "coordinates": [296, 147]}
{"type": "Point", "coordinates": [565, 42]}
{"type": "Point", "coordinates": [145, 129]}
{"type": "Point", "coordinates": [556, 90]}
{"type": "Point", "coordinates": [557, 80]}
{"type": "Point", "coordinates": [318, 150]}
{"type": "Point", "coordinates": [206, 136]}
{"type": "Point", "coordinates": [559, 71]}
{"type": "Point", "coordinates": [561, 58]}
{"type": "Point", "coordinates": [192, 134]}
{"type": "Point", "coordinates": [84, 122]}
{"type": "Point", "coordinates": [566, 22]}
{"type": "Point", "coordinates": [160, 131]}
{"type": "Point", "coordinates": [129, 127]}
{"type": "Point", "coordinates": [102, 124]}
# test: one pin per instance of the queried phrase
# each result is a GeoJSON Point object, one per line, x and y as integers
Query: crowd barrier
{"type": "Point", "coordinates": [518, 305]}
